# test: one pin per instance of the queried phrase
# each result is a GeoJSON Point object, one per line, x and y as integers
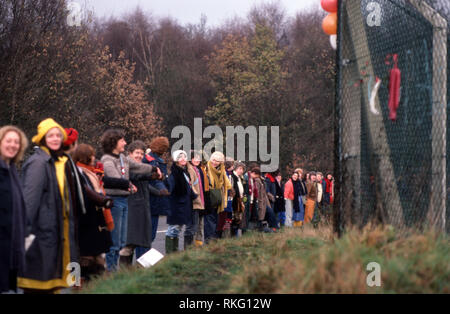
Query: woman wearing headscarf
{"type": "Point", "coordinates": [50, 206]}
{"type": "Point", "coordinates": [13, 143]}
{"type": "Point", "coordinates": [218, 180]}
{"type": "Point", "coordinates": [181, 197]}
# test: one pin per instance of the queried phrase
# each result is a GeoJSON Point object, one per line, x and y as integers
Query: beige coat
{"type": "Point", "coordinates": [197, 202]}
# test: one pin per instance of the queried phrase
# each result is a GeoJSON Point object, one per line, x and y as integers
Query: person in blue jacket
{"type": "Point", "coordinates": [181, 197]}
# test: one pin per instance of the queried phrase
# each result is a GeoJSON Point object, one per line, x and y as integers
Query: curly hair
{"type": "Point", "coordinates": [23, 141]}
{"type": "Point", "coordinates": [159, 145]}
{"type": "Point", "coordinates": [110, 139]}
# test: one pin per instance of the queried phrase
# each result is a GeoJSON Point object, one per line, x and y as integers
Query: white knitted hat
{"type": "Point", "coordinates": [176, 154]}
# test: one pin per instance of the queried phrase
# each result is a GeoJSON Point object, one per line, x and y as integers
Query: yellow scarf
{"type": "Point", "coordinates": [219, 180]}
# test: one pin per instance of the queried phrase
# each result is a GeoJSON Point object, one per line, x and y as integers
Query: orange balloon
{"type": "Point", "coordinates": [329, 5]}
{"type": "Point", "coordinates": [329, 24]}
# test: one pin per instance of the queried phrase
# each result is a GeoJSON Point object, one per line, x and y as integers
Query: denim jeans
{"type": "Point", "coordinates": [210, 226]}
{"type": "Point", "coordinates": [200, 226]}
{"type": "Point", "coordinates": [119, 234]}
{"type": "Point", "coordinates": [155, 219]}
{"type": "Point", "coordinates": [281, 218]}
{"type": "Point", "coordinates": [173, 231]}
{"type": "Point", "coordinates": [300, 215]}
{"type": "Point", "coordinates": [192, 227]}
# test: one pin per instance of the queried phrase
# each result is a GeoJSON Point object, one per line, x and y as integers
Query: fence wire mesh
{"type": "Point", "coordinates": [392, 162]}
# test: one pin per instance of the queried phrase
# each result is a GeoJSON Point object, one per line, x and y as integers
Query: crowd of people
{"type": "Point", "coordinates": [66, 206]}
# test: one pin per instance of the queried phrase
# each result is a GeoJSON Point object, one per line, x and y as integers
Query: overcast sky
{"type": "Point", "coordinates": [190, 11]}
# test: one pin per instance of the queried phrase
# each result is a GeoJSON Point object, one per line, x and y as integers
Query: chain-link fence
{"type": "Point", "coordinates": [392, 97]}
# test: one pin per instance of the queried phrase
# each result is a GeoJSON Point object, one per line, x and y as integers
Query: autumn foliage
{"type": "Point", "coordinates": [147, 75]}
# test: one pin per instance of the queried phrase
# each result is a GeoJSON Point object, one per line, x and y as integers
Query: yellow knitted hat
{"type": "Point", "coordinates": [45, 126]}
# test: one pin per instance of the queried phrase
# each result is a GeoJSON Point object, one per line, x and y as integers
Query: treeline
{"type": "Point", "coordinates": [148, 75]}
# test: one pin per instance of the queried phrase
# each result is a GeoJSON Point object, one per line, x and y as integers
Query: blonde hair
{"type": "Point", "coordinates": [23, 141]}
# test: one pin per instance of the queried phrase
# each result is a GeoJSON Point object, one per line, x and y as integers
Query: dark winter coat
{"type": "Point", "coordinates": [139, 214]}
{"type": "Point", "coordinates": [279, 198]}
{"type": "Point", "coordinates": [303, 188]}
{"type": "Point", "coordinates": [181, 197]}
{"type": "Point", "coordinates": [159, 204]}
{"type": "Point", "coordinates": [44, 258]}
{"type": "Point", "coordinates": [12, 225]}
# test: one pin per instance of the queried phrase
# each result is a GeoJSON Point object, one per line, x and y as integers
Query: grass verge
{"type": "Point", "coordinates": [296, 261]}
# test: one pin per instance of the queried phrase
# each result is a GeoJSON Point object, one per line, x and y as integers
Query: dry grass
{"type": "Point", "coordinates": [410, 263]}
{"type": "Point", "coordinates": [297, 260]}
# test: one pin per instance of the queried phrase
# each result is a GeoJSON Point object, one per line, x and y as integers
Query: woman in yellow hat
{"type": "Point", "coordinates": [50, 210]}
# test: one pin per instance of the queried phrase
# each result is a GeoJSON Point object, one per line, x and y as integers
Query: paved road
{"type": "Point", "coordinates": [159, 243]}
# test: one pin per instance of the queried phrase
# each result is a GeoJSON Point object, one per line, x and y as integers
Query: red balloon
{"type": "Point", "coordinates": [329, 5]}
{"type": "Point", "coordinates": [329, 24]}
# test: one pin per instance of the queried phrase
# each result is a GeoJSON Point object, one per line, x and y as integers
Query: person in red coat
{"type": "Point", "coordinates": [329, 189]}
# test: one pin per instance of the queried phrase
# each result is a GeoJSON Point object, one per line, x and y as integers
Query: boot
{"type": "Point", "coordinates": [171, 244]}
{"type": "Point", "coordinates": [263, 228]}
{"type": "Point", "coordinates": [125, 261]}
{"type": "Point", "coordinates": [188, 241]}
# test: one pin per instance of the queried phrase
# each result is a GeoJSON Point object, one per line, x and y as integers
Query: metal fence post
{"type": "Point", "coordinates": [436, 212]}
